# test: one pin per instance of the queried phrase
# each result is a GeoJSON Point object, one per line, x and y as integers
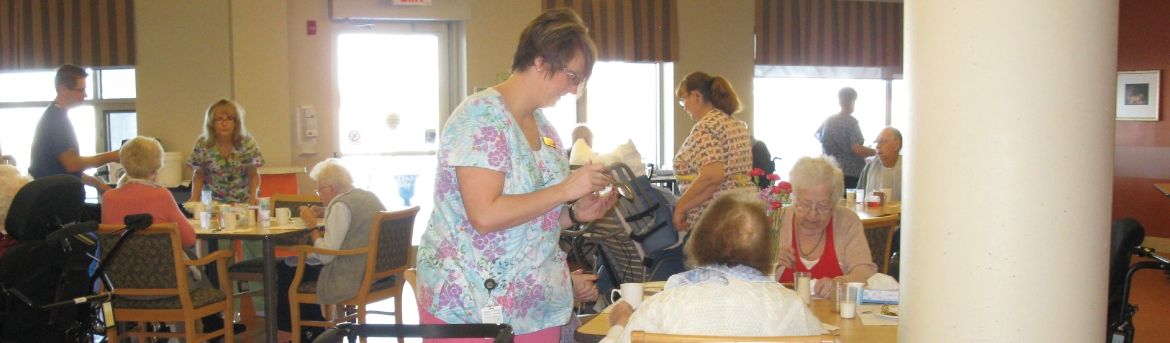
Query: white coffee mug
{"type": "Point", "coordinates": [282, 215]}
{"type": "Point", "coordinates": [631, 293]}
{"type": "Point", "coordinates": [229, 220]}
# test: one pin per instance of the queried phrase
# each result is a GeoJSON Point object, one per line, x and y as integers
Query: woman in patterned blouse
{"type": "Point", "coordinates": [503, 192]}
{"type": "Point", "coordinates": [717, 155]}
{"type": "Point", "coordinates": [225, 156]}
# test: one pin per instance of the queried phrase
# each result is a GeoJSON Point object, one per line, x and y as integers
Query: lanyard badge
{"type": "Point", "coordinates": [493, 313]}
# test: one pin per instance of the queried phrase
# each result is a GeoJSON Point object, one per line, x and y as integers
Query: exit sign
{"type": "Point", "coordinates": [412, 2]}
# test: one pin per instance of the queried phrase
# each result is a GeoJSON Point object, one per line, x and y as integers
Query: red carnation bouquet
{"type": "Point", "coordinates": [776, 194]}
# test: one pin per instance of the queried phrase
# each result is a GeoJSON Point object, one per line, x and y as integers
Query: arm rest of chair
{"type": "Point", "coordinates": [307, 249]}
{"type": "Point", "coordinates": [218, 255]}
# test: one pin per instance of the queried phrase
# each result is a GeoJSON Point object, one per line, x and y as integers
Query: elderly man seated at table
{"type": "Point", "coordinates": [730, 291]}
{"type": "Point", "coordinates": [884, 170]}
{"type": "Point", "coordinates": [348, 216]}
{"type": "Point", "coordinates": [817, 235]}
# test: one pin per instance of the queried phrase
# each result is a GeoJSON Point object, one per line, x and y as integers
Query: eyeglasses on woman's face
{"type": "Point", "coordinates": [574, 77]}
{"type": "Point", "coordinates": [820, 207]}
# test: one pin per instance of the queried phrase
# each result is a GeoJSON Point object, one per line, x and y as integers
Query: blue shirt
{"type": "Point", "coordinates": [54, 135]}
{"type": "Point", "coordinates": [838, 134]}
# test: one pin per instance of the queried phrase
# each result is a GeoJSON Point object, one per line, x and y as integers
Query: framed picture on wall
{"type": "Point", "coordinates": [1137, 95]}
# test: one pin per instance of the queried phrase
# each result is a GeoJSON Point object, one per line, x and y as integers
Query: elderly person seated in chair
{"type": "Point", "coordinates": [730, 291]}
{"type": "Point", "coordinates": [348, 217]}
{"type": "Point", "coordinates": [11, 180]}
{"type": "Point", "coordinates": [137, 191]}
{"type": "Point", "coordinates": [817, 235]}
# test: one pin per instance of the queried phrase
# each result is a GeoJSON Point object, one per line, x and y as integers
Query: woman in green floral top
{"type": "Point", "coordinates": [225, 156]}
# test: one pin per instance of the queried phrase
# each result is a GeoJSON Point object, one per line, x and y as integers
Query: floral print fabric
{"type": "Point", "coordinates": [454, 260]}
{"type": "Point", "coordinates": [226, 176]}
{"type": "Point", "coordinates": [717, 137]}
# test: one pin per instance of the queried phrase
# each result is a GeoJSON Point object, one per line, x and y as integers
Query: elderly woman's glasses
{"type": "Point", "coordinates": [574, 77]}
{"type": "Point", "coordinates": [823, 207]}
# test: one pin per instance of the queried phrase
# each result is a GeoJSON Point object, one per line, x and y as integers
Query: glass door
{"type": "Point", "coordinates": [393, 89]}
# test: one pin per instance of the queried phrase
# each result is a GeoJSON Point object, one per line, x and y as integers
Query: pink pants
{"type": "Point", "coordinates": [549, 335]}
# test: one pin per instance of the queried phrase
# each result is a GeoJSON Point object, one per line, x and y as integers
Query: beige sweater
{"type": "Point", "coordinates": [848, 239]}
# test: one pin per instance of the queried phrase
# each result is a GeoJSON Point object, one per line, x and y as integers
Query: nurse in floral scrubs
{"type": "Point", "coordinates": [503, 192]}
{"type": "Point", "coordinates": [225, 157]}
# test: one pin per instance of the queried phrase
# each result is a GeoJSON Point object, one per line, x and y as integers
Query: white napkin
{"type": "Point", "coordinates": [881, 281]}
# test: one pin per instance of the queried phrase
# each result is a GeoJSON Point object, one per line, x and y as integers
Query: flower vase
{"type": "Point", "coordinates": [406, 187]}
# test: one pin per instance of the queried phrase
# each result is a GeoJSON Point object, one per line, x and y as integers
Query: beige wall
{"type": "Point", "coordinates": [191, 53]}
{"type": "Point", "coordinates": [716, 37]}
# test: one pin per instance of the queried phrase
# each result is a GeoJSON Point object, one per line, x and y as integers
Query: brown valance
{"type": "Point", "coordinates": [43, 34]}
{"type": "Point", "coordinates": [630, 31]}
{"type": "Point", "coordinates": [828, 33]}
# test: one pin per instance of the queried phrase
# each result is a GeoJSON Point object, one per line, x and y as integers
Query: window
{"type": "Point", "coordinates": [100, 123]}
{"type": "Point", "coordinates": [789, 110]}
{"type": "Point", "coordinates": [618, 96]}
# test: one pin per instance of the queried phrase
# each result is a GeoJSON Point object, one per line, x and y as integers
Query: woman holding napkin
{"type": "Point", "coordinates": [818, 236]}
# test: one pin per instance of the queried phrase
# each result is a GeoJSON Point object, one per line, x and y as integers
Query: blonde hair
{"type": "Point", "coordinates": [11, 180]}
{"type": "Point", "coordinates": [235, 111]}
{"type": "Point", "coordinates": [331, 172]}
{"type": "Point", "coordinates": [817, 171]}
{"type": "Point", "coordinates": [141, 157]}
{"type": "Point", "coordinates": [733, 230]}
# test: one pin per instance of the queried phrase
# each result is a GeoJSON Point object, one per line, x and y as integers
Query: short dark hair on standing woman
{"type": "Point", "coordinates": [556, 35]}
{"type": "Point", "coordinates": [67, 75]}
{"type": "Point", "coordinates": [734, 230]}
{"type": "Point", "coordinates": [714, 89]}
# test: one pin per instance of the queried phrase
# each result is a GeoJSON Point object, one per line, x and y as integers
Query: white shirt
{"type": "Point", "coordinates": [739, 308]}
{"type": "Point", "coordinates": [337, 218]}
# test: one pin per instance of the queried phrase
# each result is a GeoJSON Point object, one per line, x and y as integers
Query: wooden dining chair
{"type": "Point", "coordinates": [879, 232]}
{"type": "Point", "coordinates": [387, 259]}
{"type": "Point", "coordinates": [647, 337]}
{"type": "Point", "coordinates": [151, 264]}
{"type": "Point", "coordinates": [252, 269]}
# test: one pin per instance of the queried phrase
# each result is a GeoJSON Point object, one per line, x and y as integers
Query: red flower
{"type": "Point", "coordinates": [773, 177]}
{"type": "Point", "coordinates": [785, 186]}
{"type": "Point", "coordinates": [777, 190]}
{"type": "Point", "coordinates": [757, 172]}
{"type": "Point", "coordinates": [774, 205]}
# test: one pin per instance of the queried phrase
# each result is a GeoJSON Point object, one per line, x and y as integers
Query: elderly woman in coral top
{"type": "Point", "coordinates": [818, 236]}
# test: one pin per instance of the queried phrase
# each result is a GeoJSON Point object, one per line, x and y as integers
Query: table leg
{"type": "Point", "coordinates": [270, 290]}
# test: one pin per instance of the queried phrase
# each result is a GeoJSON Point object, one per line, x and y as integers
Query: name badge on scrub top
{"type": "Point", "coordinates": [492, 314]}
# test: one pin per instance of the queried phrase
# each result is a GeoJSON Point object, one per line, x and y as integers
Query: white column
{"type": "Point", "coordinates": [1008, 170]}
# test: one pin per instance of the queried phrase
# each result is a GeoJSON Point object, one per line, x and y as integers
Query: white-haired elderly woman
{"type": "Point", "coordinates": [137, 192]}
{"type": "Point", "coordinates": [818, 236]}
{"type": "Point", "coordinates": [11, 180]}
{"type": "Point", "coordinates": [348, 215]}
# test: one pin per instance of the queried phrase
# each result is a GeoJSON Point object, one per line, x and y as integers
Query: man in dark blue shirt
{"type": "Point", "coordinates": [54, 149]}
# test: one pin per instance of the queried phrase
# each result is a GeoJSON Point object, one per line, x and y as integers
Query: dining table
{"type": "Point", "coordinates": [880, 329]}
{"type": "Point", "coordinates": [268, 235]}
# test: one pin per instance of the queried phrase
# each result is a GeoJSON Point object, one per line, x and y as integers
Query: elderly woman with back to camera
{"type": "Point", "coordinates": [817, 235]}
{"type": "Point", "coordinates": [137, 192]}
{"type": "Point", "coordinates": [717, 155]}
{"type": "Point", "coordinates": [503, 192]}
{"type": "Point", "coordinates": [730, 291]}
{"type": "Point", "coordinates": [11, 180]}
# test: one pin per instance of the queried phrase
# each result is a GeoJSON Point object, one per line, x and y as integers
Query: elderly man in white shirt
{"type": "Point", "coordinates": [884, 170]}
{"type": "Point", "coordinates": [730, 291]}
{"type": "Point", "coordinates": [348, 216]}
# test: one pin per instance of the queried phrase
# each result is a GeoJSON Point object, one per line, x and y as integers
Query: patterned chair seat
{"type": "Point", "coordinates": [199, 298]}
{"type": "Point", "coordinates": [252, 265]}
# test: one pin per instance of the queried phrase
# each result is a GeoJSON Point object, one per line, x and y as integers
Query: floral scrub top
{"type": "Point", "coordinates": [226, 178]}
{"type": "Point", "coordinates": [454, 260]}
{"type": "Point", "coordinates": [717, 137]}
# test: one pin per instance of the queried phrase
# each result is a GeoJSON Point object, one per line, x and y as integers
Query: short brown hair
{"type": "Point", "coordinates": [556, 35]}
{"type": "Point", "coordinates": [67, 75]}
{"type": "Point", "coordinates": [733, 230]}
{"type": "Point", "coordinates": [714, 89]}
